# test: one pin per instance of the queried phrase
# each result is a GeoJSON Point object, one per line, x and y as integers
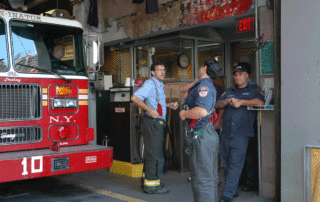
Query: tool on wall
{"type": "Point", "coordinates": [259, 44]}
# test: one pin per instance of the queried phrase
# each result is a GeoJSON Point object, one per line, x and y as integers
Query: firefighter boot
{"type": "Point", "coordinates": [154, 187]}
{"type": "Point", "coordinates": [142, 181]}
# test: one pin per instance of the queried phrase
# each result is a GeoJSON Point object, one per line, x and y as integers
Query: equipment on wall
{"type": "Point", "coordinates": [183, 60]}
{"type": "Point", "coordinates": [269, 4]}
{"type": "Point", "coordinates": [124, 134]}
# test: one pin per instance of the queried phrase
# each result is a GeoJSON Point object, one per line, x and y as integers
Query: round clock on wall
{"type": "Point", "coordinates": [183, 60]}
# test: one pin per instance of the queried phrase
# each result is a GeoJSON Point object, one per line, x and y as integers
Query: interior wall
{"type": "Point", "coordinates": [300, 86]}
{"type": "Point", "coordinates": [170, 60]}
{"type": "Point", "coordinates": [117, 63]}
{"type": "Point", "coordinates": [267, 148]}
{"type": "Point", "coordinates": [121, 8]}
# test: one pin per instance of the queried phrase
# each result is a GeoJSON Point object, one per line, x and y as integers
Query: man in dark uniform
{"type": "Point", "coordinates": [203, 139]}
{"type": "Point", "coordinates": [237, 127]}
{"type": "Point", "coordinates": [217, 124]}
{"type": "Point", "coordinates": [151, 98]}
{"type": "Point", "coordinates": [250, 172]}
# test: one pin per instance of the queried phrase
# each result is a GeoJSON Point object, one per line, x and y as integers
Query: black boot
{"type": "Point", "coordinates": [156, 190]}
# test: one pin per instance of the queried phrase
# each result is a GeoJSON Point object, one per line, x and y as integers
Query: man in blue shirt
{"type": "Point", "coordinates": [152, 99]}
{"type": "Point", "coordinates": [237, 127]}
{"type": "Point", "coordinates": [202, 144]}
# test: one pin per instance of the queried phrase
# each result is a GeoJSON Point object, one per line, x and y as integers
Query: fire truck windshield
{"type": "Point", "coordinates": [48, 47]}
{"type": "Point", "coordinates": [3, 53]}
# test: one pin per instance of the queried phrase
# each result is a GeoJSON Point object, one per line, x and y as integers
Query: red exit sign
{"type": "Point", "coordinates": [245, 25]}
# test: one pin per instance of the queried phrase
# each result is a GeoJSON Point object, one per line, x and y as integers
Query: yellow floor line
{"type": "Point", "coordinates": [111, 194]}
{"type": "Point", "coordinates": [104, 192]}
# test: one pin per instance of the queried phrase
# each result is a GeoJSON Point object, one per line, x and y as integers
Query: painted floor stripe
{"type": "Point", "coordinates": [111, 194]}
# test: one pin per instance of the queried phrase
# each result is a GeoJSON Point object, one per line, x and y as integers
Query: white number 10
{"type": "Point", "coordinates": [33, 170]}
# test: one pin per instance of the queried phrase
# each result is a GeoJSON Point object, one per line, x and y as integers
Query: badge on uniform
{"type": "Point", "coordinates": [203, 91]}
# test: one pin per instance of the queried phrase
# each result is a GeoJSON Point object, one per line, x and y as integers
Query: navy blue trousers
{"type": "Point", "coordinates": [233, 154]}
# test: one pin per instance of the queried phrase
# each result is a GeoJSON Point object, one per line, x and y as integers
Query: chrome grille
{"type": "Point", "coordinates": [20, 135]}
{"type": "Point", "coordinates": [20, 101]}
{"type": "Point", "coordinates": [61, 163]}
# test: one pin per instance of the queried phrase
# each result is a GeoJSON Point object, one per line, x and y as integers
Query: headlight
{"type": "Point", "coordinates": [64, 103]}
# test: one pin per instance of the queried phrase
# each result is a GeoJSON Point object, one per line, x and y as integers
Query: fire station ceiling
{"type": "Point", "coordinates": [215, 31]}
{"type": "Point", "coordinates": [37, 6]}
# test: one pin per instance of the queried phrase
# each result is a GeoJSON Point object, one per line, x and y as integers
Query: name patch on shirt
{"type": "Point", "coordinates": [203, 91]}
{"type": "Point", "coordinates": [245, 93]}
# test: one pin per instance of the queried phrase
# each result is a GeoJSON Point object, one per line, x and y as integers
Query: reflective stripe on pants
{"type": "Point", "coordinates": [153, 137]}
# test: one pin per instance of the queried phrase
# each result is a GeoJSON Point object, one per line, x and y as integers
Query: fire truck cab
{"type": "Point", "coordinates": [44, 128]}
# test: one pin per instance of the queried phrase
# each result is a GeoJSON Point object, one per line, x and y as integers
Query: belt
{"type": "Point", "coordinates": [196, 131]}
{"type": "Point", "coordinates": [212, 119]}
{"type": "Point", "coordinates": [162, 121]}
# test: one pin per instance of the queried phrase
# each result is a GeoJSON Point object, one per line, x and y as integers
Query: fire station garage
{"type": "Point", "coordinates": [121, 40]}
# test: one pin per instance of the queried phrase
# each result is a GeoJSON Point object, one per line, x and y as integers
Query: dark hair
{"type": "Point", "coordinates": [213, 68]}
{"type": "Point", "coordinates": [153, 66]}
{"type": "Point", "coordinates": [246, 65]}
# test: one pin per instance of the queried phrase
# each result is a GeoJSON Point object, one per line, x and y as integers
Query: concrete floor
{"type": "Point", "coordinates": [101, 185]}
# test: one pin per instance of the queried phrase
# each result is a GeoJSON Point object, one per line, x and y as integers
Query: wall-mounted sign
{"type": "Point", "coordinates": [245, 25]}
{"type": "Point", "coordinates": [200, 11]}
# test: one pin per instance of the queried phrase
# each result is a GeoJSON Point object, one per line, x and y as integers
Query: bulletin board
{"type": "Point", "coordinates": [267, 58]}
{"type": "Point", "coordinates": [311, 173]}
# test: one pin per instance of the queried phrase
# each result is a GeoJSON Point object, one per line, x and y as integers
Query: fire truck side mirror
{"type": "Point", "coordinates": [96, 52]}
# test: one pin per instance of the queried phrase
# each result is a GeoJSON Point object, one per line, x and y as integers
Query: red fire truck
{"type": "Point", "coordinates": [44, 128]}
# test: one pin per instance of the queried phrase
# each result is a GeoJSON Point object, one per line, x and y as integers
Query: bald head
{"type": "Point", "coordinates": [58, 51]}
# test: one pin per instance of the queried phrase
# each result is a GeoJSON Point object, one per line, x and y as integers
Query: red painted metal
{"type": "Point", "coordinates": [38, 163]}
{"type": "Point", "coordinates": [74, 118]}
{"type": "Point", "coordinates": [90, 134]}
{"type": "Point", "coordinates": [33, 160]}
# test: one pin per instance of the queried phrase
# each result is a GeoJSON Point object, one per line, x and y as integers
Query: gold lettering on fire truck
{"type": "Point", "coordinates": [22, 16]}
{"type": "Point", "coordinates": [58, 120]}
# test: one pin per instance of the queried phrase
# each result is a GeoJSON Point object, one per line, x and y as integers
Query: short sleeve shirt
{"type": "Point", "coordinates": [239, 121]}
{"type": "Point", "coordinates": [148, 93]}
{"type": "Point", "coordinates": [203, 94]}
